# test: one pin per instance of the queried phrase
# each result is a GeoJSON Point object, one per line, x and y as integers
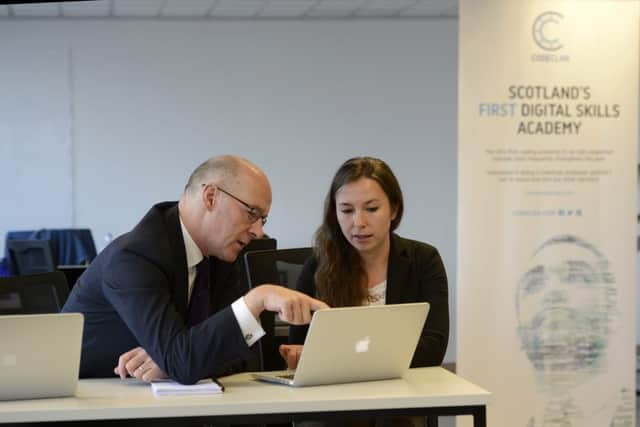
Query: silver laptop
{"type": "Point", "coordinates": [356, 344]}
{"type": "Point", "coordinates": [39, 355]}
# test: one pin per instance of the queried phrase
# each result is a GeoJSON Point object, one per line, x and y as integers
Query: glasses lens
{"type": "Point", "coordinates": [254, 215]}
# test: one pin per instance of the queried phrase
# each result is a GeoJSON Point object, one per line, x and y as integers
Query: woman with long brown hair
{"type": "Point", "coordinates": [359, 260]}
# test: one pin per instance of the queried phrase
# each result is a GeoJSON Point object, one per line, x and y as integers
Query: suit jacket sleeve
{"type": "Point", "coordinates": [433, 288]}
{"type": "Point", "coordinates": [139, 290]}
{"type": "Point", "coordinates": [306, 285]}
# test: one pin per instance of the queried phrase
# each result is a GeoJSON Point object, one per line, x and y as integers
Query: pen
{"type": "Point", "coordinates": [219, 383]}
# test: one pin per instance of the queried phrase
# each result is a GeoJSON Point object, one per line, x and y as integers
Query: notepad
{"type": "Point", "coordinates": [172, 388]}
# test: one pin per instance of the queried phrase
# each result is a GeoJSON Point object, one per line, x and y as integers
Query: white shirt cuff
{"type": "Point", "coordinates": [251, 329]}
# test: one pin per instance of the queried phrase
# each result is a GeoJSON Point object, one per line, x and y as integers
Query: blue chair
{"type": "Point", "coordinates": [4, 267]}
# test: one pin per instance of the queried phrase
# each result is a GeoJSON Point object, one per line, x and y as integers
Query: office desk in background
{"type": "Point", "coordinates": [72, 246]}
{"type": "Point", "coordinates": [423, 391]}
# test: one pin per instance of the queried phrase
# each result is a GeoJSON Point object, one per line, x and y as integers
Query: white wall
{"type": "Point", "coordinates": [147, 101]}
{"type": "Point", "coordinates": [35, 139]}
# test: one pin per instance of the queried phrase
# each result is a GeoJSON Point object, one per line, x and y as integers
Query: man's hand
{"type": "Point", "coordinates": [291, 353]}
{"type": "Point", "coordinates": [292, 306]}
{"type": "Point", "coordinates": [138, 364]}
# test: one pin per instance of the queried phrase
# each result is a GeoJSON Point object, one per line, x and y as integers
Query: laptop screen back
{"type": "Point", "coordinates": [360, 343]}
{"type": "Point", "coordinates": [39, 355]}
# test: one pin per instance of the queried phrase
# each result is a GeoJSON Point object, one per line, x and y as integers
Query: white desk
{"type": "Point", "coordinates": [424, 391]}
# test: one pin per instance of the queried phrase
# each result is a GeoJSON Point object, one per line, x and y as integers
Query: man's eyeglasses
{"type": "Point", "coordinates": [253, 213]}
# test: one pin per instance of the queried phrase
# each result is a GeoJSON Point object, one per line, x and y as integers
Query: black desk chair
{"type": "Point", "coordinates": [266, 243]}
{"type": "Point", "coordinates": [277, 266]}
{"type": "Point", "coordinates": [31, 256]}
{"type": "Point", "coordinates": [33, 294]}
{"type": "Point", "coordinates": [72, 273]}
{"type": "Point", "coordinates": [254, 245]}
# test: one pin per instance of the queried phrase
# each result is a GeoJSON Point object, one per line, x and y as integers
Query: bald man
{"type": "Point", "coordinates": [148, 313]}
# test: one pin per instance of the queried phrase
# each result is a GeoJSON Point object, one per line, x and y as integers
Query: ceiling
{"type": "Point", "coordinates": [231, 9]}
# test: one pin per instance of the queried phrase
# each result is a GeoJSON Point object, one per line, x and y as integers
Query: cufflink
{"type": "Point", "coordinates": [248, 337]}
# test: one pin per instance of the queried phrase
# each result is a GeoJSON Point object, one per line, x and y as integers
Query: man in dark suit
{"type": "Point", "coordinates": [162, 300]}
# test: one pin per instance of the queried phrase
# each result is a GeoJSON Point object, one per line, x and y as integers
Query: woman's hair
{"type": "Point", "coordinates": [340, 278]}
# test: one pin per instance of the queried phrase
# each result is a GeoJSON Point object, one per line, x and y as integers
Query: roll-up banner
{"type": "Point", "coordinates": [547, 209]}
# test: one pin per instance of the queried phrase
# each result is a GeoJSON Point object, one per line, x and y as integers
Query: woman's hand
{"type": "Point", "coordinates": [291, 353]}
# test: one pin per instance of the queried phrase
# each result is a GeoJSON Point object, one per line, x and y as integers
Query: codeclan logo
{"type": "Point", "coordinates": [543, 30]}
{"type": "Point", "coordinates": [547, 30]}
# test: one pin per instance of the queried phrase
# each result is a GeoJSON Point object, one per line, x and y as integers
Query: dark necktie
{"type": "Point", "coordinates": [199, 305]}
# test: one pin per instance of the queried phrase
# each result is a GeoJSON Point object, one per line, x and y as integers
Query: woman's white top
{"type": "Point", "coordinates": [377, 294]}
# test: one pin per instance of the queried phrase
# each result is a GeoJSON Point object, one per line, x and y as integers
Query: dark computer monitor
{"type": "Point", "coordinates": [31, 256]}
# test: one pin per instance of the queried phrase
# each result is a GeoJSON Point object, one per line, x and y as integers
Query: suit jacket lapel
{"type": "Point", "coordinates": [398, 270]}
{"type": "Point", "coordinates": [179, 256]}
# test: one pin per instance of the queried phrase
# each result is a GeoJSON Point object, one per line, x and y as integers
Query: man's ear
{"type": "Point", "coordinates": [208, 196]}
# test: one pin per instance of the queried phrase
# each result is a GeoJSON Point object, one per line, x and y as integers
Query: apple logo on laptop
{"type": "Point", "coordinates": [362, 346]}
